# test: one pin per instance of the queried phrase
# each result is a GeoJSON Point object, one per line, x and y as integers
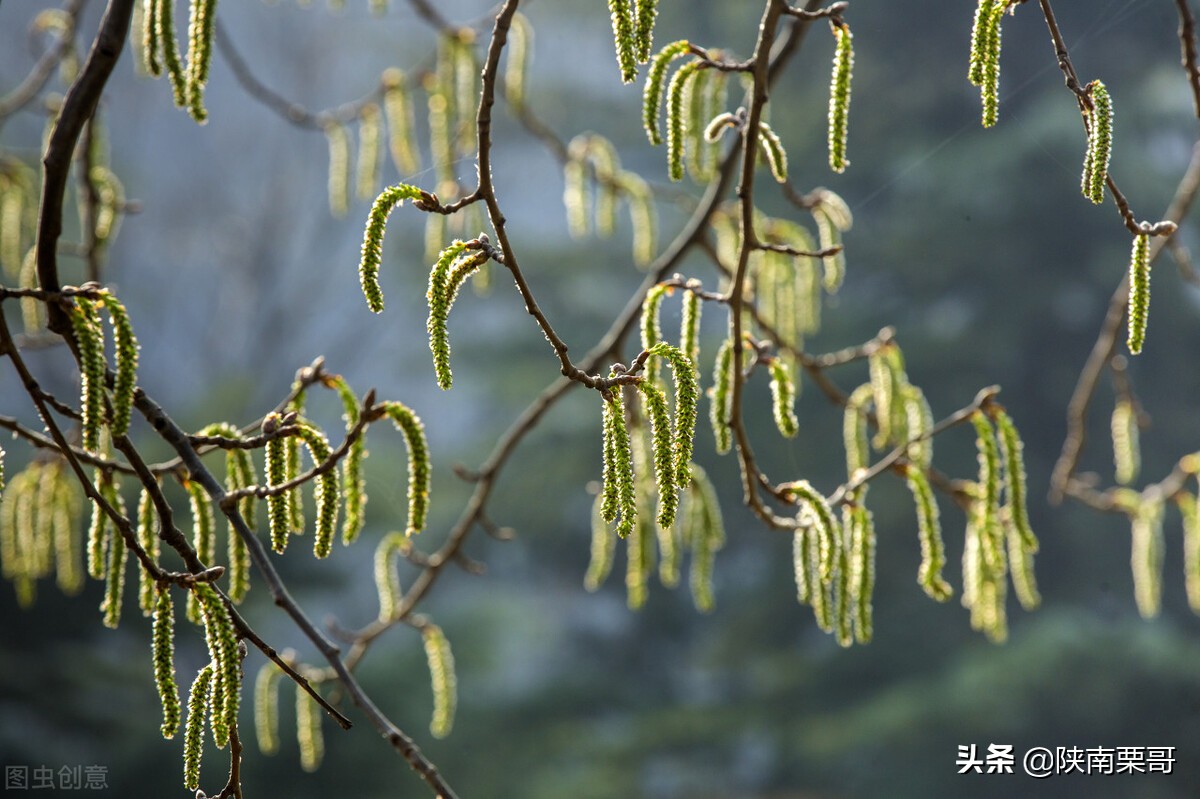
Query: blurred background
{"type": "Point", "coordinates": [974, 244]}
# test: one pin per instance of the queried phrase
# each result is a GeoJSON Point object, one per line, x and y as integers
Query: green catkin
{"type": "Point", "coordinates": [677, 92]}
{"type": "Point", "coordinates": [164, 662]}
{"type": "Point", "coordinates": [637, 562]}
{"type": "Point", "coordinates": [687, 406]}
{"type": "Point", "coordinates": [1125, 438]}
{"type": "Point", "coordinates": [441, 145]}
{"type": "Point", "coordinates": [367, 168]}
{"type": "Point", "coordinates": [854, 429]}
{"type": "Point", "coordinates": [398, 112]}
{"type": "Point", "coordinates": [452, 269]}
{"type": "Point", "coordinates": [223, 652]}
{"type": "Point", "coordinates": [919, 418]}
{"type": "Point", "coordinates": [193, 732]}
{"type": "Point", "coordinates": [67, 560]}
{"type": "Point", "coordinates": [204, 529]}
{"type": "Point", "coordinates": [148, 540]}
{"type": "Point", "coordinates": [642, 215]}
{"type": "Point", "coordinates": [883, 393]}
{"type": "Point", "coordinates": [328, 493]}
{"type": "Point", "coordinates": [819, 595]}
{"type": "Point", "coordinates": [372, 246]}
{"type": "Point", "coordinates": [1189, 508]}
{"type": "Point", "coordinates": [308, 731]}
{"type": "Point", "coordinates": [607, 164]}
{"type": "Point", "coordinates": [721, 391]}
{"type": "Point", "coordinates": [12, 208]}
{"type": "Point", "coordinates": [97, 539]}
{"type": "Point", "coordinates": [844, 607]}
{"type": "Point", "coordinates": [1020, 563]}
{"type": "Point", "coordinates": [862, 572]}
{"type": "Point", "coordinates": [339, 168]}
{"type": "Point", "coordinates": [1099, 150]}
{"type": "Point", "coordinates": [664, 454]}
{"type": "Point", "coordinates": [419, 469]}
{"type": "Point", "coordinates": [465, 94]}
{"type": "Point", "coordinates": [445, 684]}
{"type": "Point", "coordinates": [820, 516]}
{"type": "Point", "coordinates": [990, 89]}
{"type": "Point", "coordinates": [783, 399]}
{"type": "Point", "coordinates": [772, 148]}
{"type": "Point", "coordinates": [387, 582]}
{"type": "Point", "coordinates": [279, 511]}
{"type": "Point", "coordinates": [151, 45]}
{"type": "Point", "coordinates": [699, 100]}
{"type": "Point", "coordinates": [165, 34]}
{"type": "Point", "coordinates": [929, 526]}
{"type": "Point", "coordinates": [1147, 557]}
{"type": "Point", "coordinates": [576, 199]}
{"type": "Point", "coordinates": [609, 487]}
{"type": "Point", "coordinates": [114, 585]}
{"type": "Point", "coordinates": [621, 467]}
{"type": "Point", "coordinates": [989, 481]}
{"type": "Point", "coordinates": [718, 125]}
{"type": "Point", "coordinates": [689, 326]}
{"type": "Point", "coordinates": [650, 328]}
{"type": "Point", "coordinates": [602, 550]}
{"type": "Point", "coordinates": [801, 569]}
{"type": "Point", "coordinates": [652, 94]}
{"type": "Point", "coordinates": [90, 336]}
{"type": "Point", "coordinates": [1139, 292]}
{"type": "Point", "coordinates": [43, 532]}
{"type": "Point", "coordinates": [111, 195]}
{"type": "Point", "coordinates": [829, 235]}
{"type": "Point", "coordinates": [516, 68]}
{"type": "Point", "coordinates": [624, 38]}
{"type": "Point", "coordinates": [239, 474]}
{"type": "Point", "coordinates": [647, 11]}
{"type": "Point", "coordinates": [1011, 448]}
{"type": "Point", "coordinates": [266, 708]}
{"type": "Point", "coordinates": [354, 488]}
{"type": "Point", "coordinates": [839, 98]}
{"type": "Point", "coordinates": [199, 57]}
{"type": "Point", "coordinates": [707, 535]}
{"type": "Point", "coordinates": [979, 38]}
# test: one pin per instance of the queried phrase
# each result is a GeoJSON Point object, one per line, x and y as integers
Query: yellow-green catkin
{"type": "Point", "coordinates": [783, 399]}
{"type": "Point", "coordinates": [520, 51]}
{"type": "Point", "coordinates": [772, 149]}
{"type": "Point", "coordinates": [419, 470]}
{"type": "Point", "coordinates": [354, 489]}
{"type": "Point", "coordinates": [984, 70]}
{"type": "Point", "coordinates": [164, 662]}
{"type": "Point", "coordinates": [67, 545]}
{"type": "Point", "coordinates": [677, 93]}
{"type": "Point", "coordinates": [576, 198]}
{"type": "Point", "coordinates": [618, 468]}
{"type": "Point", "coordinates": [652, 93]}
{"type": "Point", "coordinates": [199, 57]}
{"type": "Point", "coordinates": [466, 95]}
{"type": "Point", "coordinates": [227, 668]}
{"type": "Point", "coordinates": [266, 708]}
{"type": "Point", "coordinates": [722, 391]}
{"type": "Point", "coordinates": [650, 328]}
{"type": "Point", "coordinates": [126, 347]}
{"type": "Point", "coordinates": [452, 269]}
{"type": "Point", "coordinates": [151, 46]}
{"type": "Point", "coordinates": [308, 731]}
{"type": "Point", "coordinates": [844, 607]}
{"type": "Point", "coordinates": [854, 429]}
{"type": "Point", "coordinates": [801, 569]}
{"type": "Point", "coordinates": [114, 585]}
{"type": "Point", "coordinates": [646, 12]}
{"type": "Point", "coordinates": [1100, 138]}
{"type": "Point", "coordinates": [193, 733]}
{"type": "Point", "coordinates": [398, 111]}
{"type": "Point", "coordinates": [919, 418]}
{"type": "Point", "coordinates": [933, 550]}
{"type": "Point", "coordinates": [1146, 558]}
{"type": "Point", "coordinates": [607, 165]}
{"type": "Point", "coordinates": [369, 134]}
{"type": "Point", "coordinates": [1012, 448]}
{"type": "Point", "coordinates": [989, 482]}
{"type": "Point", "coordinates": [643, 216]}
{"type": "Point", "coordinates": [90, 336]}
{"type": "Point", "coordinates": [387, 582]}
{"type": "Point", "coordinates": [97, 537]}
{"type": "Point", "coordinates": [664, 455]}
{"type": "Point", "coordinates": [1189, 508]}
{"type": "Point", "coordinates": [1020, 564]}
{"type": "Point", "coordinates": [689, 326]}
{"type": "Point", "coordinates": [883, 393]}
{"type": "Point", "coordinates": [622, 14]}
{"type": "Point", "coordinates": [639, 540]}
{"type": "Point", "coordinates": [372, 246]}
{"type": "Point", "coordinates": [328, 491]}
{"type": "Point", "coordinates": [819, 592]}
{"type": "Point", "coordinates": [164, 19]}
{"type": "Point", "coordinates": [815, 510]}
{"type": "Point", "coordinates": [339, 167]}
{"type": "Point", "coordinates": [602, 550]}
{"type": "Point", "coordinates": [445, 683]}
{"type": "Point", "coordinates": [1139, 292]}
{"type": "Point", "coordinates": [839, 98]}
{"type": "Point", "coordinates": [204, 537]}
{"type": "Point", "coordinates": [862, 571]}
{"type": "Point", "coordinates": [705, 534]}
{"type": "Point", "coordinates": [279, 512]}
{"type": "Point", "coordinates": [687, 406]}
{"type": "Point", "coordinates": [1125, 439]}
{"type": "Point", "coordinates": [147, 537]}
